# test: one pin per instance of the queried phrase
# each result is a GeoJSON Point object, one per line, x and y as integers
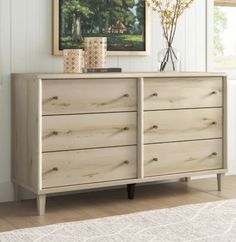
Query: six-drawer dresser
{"type": "Point", "coordinates": [74, 132]}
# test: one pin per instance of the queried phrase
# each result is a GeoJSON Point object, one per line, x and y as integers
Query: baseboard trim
{"type": "Point", "coordinates": [6, 192]}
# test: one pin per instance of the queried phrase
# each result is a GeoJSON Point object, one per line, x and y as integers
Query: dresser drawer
{"type": "Point", "coordinates": [88, 96]}
{"type": "Point", "coordinates": [178, 125]}
{"type": "Point", "coordinates": [88, 166]}
{"type": "Point", "coordinates": [68, 132]}
{"type": "Point", "coordinates": [173, 93]}
{"type": "Point", "coordinates": [169, 158]}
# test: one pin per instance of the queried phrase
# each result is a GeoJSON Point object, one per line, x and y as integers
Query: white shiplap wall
{"type": "Point", "coordinates": [25, 46]}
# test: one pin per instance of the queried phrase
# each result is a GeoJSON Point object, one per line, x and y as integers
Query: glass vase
{"type": "Point", "coordinates": [169, 60]}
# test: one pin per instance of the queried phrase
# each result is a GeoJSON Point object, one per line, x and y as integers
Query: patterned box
{"type": "Point", "coordinates": [95, 52]}
{"type": "Point", "coordinates": [73, 60]}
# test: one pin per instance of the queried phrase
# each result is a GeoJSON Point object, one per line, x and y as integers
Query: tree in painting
{"type": "Point", "coordinates": [121, 21]}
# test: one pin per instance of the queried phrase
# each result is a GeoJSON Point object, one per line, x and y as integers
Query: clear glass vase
{"type": "Point", "coordinates": [169, 60]}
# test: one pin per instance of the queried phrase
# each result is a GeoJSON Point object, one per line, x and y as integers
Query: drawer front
{"type": "Point", "coordinates": [68, 132]}
{"type": "Point", "coordinates": [170, 158]}
{"type": "Point", "coordinates": [178, 125]}
{"type": "Point", "coordinates": [172, 93]}
{"type": "Point", "coordinates": [88, 166]}
{"type": "Point", "coordinates": [88, 96]}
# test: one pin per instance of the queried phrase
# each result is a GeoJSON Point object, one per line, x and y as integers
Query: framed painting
{"type": "Point", "coordinates": [125, 23]}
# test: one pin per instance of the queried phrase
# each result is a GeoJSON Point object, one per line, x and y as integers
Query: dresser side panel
{"type": "Point", "coordinates": [25, 120]}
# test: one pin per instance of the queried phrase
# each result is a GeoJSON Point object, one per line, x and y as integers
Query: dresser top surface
{"type": "Point", "coordinates": [116, 75]}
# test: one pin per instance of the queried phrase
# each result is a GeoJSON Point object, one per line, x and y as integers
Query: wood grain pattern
{"type": "Point", "coordinates": [140, 129]}
{"type": "Point", "coordinates": [25, 133]}
{"type": "Point", "coordinates": [51, 137]}
{"type": "Point", "coordinates": [88, 166]}
{"type": "Point", "coordinates": [177, 125]}
{"type": "Point", "coordinates": [88, 96]}
{"type": "Point", "coordinates": [68, 132]}
{"type": "Point", "coordinates": [172, 93]}
{"type": "Point", "coordinates": [114, 76]}
{"type": "Point", "coordinates": [180, 157]}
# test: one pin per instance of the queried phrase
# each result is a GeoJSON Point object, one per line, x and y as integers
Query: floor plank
{"type": "Point", "coordinates": [113, 202]}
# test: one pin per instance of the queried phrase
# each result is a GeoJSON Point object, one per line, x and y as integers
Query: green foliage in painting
{"type": "Point", "coordinates": [121, 21]}
{"type": "Point", "coordinates": [220, 24]}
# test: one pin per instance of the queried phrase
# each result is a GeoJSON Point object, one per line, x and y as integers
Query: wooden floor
{"type": "Point", "coordinates": [113, 202]}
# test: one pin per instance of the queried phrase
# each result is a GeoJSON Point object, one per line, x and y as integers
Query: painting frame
{"type": "Point", "coordinates": [56, 34]}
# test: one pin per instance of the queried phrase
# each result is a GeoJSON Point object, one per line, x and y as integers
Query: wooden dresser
{"type": "Point", "coordinates": [75, 132]}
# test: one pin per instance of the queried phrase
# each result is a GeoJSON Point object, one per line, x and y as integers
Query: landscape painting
{"type": "Point", "coordinates": [123, 22]}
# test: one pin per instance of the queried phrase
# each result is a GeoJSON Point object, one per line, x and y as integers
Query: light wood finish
{"type": "Point", "coordinates": [88, 96]}
{"type": "Point", "coordinates": [113, 76]}
{"type": "Point", "coordinates": [26, 132]}
{"type": "Point", "coordinates": [41, 204]}
{"type": "Point", "coordinates": [88, 166]}
{"type": "Point", "coordinates": [88, 131]}
{"type": "Point", "coordinates": [162, 159]}
{"type": "Point", "coordinates": [225, 3]}
{"type": "Point", "coordinates": [55, 38]}
{"type": "Point", "coordinates": [225, 122]}
{"type": "Point", "coordinates": [220, 178]}
{"type": "Point", "coordinates": [172, 93]}
{"type": "Point", "coordinates": [140, 129]}
{"type": "Point", "coordinates": [79, 110]}
{"type": "Point", "coordinates": [131, 181]}
{"type": "Point", "coordinates": [177, 125]}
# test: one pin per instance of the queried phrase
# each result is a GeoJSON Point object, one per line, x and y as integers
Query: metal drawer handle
{"type": "Point", "coordinates": [55, 98]}
{"type": "Point", "coordinates": [155, 159]}
{"type": "Point", "coordinates": [126, 95]}
{"type": "Point", "coordinates": [55, 169]}
{"type": "Point", "coordinates": [126, 128]}
{"type": "Point", "coordinates": [155, 127]}
{"type": "Point", "coordinates": [126, 162]}
{"type": "Point", "coordinates": [213, 93]}
{"type": "Point", "coordinates": [155, 94]}
{"type": "Point", "coordinates": [54, 133]}
{"type": "Point", "coordinates": [213, 154]}
{"type": "Point", "coordinates": [213, 123]}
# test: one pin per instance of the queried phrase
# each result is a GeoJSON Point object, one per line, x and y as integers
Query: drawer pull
{"type": "Point", "coordinates": [126, 162]}
{"type": "Point", "coordinates": [55, 169]}
{"type": "Point", "coordinates": [54, 133]}
{"type": "Point", "coordinates": [213, 123]}
{"type": "Point", "coordinates": [155, 127]}
{"type": "Point", "coordinates": [155, 94]}
{"type": "Point", "coordinates": [155, 159]}
{"type": "Point", "coordinates": [126, 128]}
{"type": "Point", "coordinates": [213, 92]}
{"type": "Point", "coordinates": [55, 98]}
{"type": "Point", "coordinates": [213, 154]}
{"type": "Point", "coordinates": [126, 95]}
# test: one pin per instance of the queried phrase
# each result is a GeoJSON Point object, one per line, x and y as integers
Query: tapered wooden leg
{"type": "Point", "coordinates": [219, 181]}
{"type": "Point", "coordinates": [17, 197]}
{"type": "Point", "coordinates": [41, 203]}
{"type": "Point", "coordinates": [131, 190]}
